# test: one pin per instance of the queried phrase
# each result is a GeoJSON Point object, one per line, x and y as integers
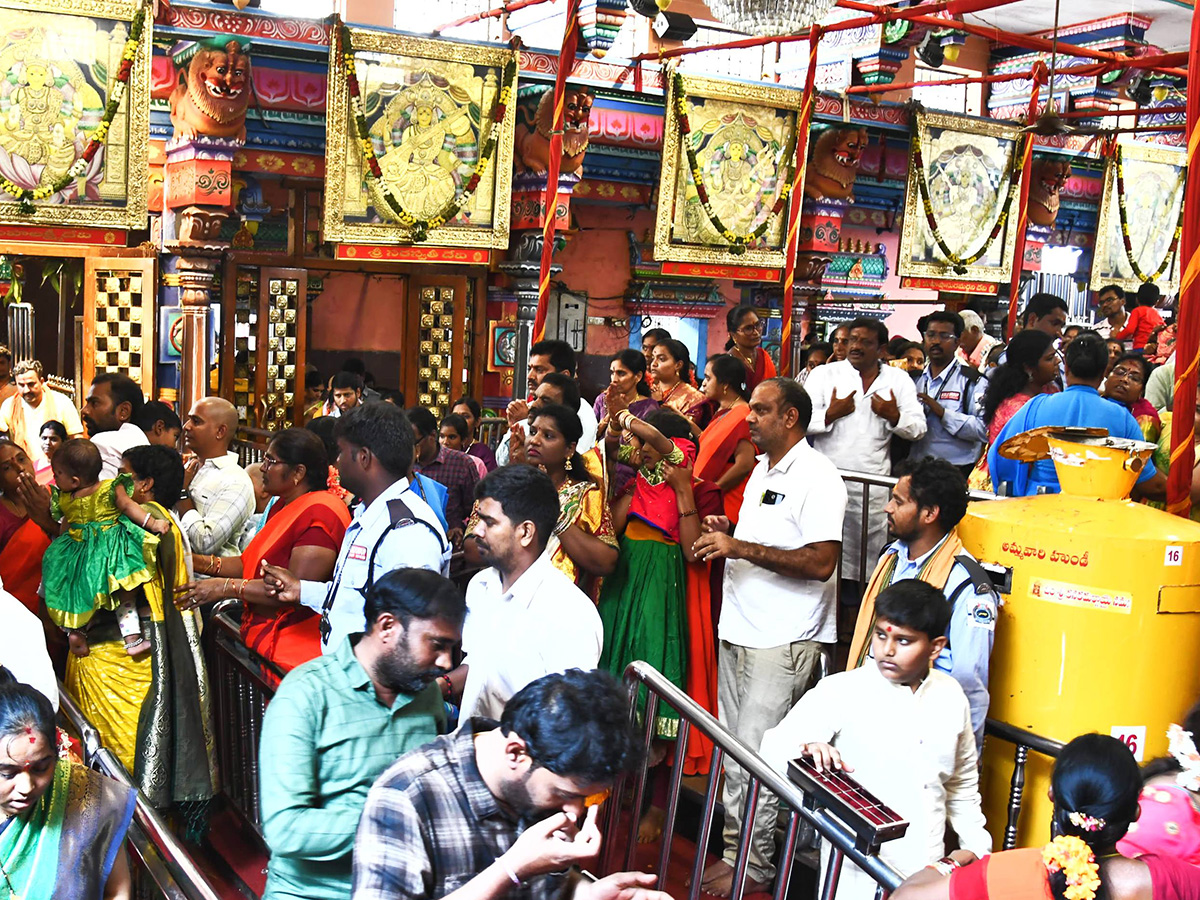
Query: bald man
{"type": "Point", "coordinates": [218, 494]}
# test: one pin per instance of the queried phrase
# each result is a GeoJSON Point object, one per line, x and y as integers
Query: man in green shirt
{"type": "Point", "coordinates": [338, 721]}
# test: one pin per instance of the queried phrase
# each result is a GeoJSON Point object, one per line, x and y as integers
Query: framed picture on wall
{"type": "Point", "coordinates": [502, 347]}
{"type": "Point", "coordinates": [419, 145]}
{"type": "Point", "coordinates": [727, 157]}
{"type": "Point", "coordinates": [963, 177]}
{"type": "Point", "coordinates": [1153, 185]}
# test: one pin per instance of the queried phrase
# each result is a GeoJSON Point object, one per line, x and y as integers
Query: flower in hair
{"type": "Point", "coordinates": [1086, 822]}
{"type": "Point", "coordinates": [1181, 746]}
{"type": "Point", "coordinates": [1074, 858]}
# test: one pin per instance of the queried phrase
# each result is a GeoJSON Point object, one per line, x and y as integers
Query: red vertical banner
{"type": "Point", "coordinates": [1187, 340]}
{"type": "Point", "coordinates": [566, 62]}
{"type": "Point", "coordinates": [803, 124]}
{"type": "Point", "coordinates": [1022, 217]}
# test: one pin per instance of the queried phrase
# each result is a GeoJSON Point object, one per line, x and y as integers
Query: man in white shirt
{"type": "Point", "coordinates": [525, 619]}
{"type": "Point", "coordinates": [554, 387]}
{"type": "Point", "coordinates": [778, 605]}
{"type": "Point", "coordinates": [23, 648]}
{"type": "Point", "coordinates": [900, 730]}
{"type": "Point", "coordinates": [546, 357]}
{"type": "Point", "coordinates": [22, 416]}
{"type": "Point", "coordinates": [858, 405]}
{"type": "Point", "coordinates": [112, 407]}
{"type": "Point", "coordinates": [392, 528]}
{"type": "Point", "coordinates": [218, 494]}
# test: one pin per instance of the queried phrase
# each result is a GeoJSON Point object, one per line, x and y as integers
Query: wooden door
{"type": "Point", "coordinates": [118, 319]}
{"type": "Point", "coordinates": [442, 316]}
{"type": "Point", "coordinates": [281, 347]}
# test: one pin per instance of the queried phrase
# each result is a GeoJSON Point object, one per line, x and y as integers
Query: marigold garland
{"type": "Point", "coordinates": [25, 197]}
{"type": "Point", "coordinates": [737, 242]}
{"type": "Point", "coordinates": [382, 192]}
{"type": "Point", "coordinates": [960, 263]}
{"type": "Point", "coordinates": [1133, 264]}
{"type": "Point", "coordinates": [1073, 857]}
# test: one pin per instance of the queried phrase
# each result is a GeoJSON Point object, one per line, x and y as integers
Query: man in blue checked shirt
{"type": "Point", "coordinates": [393, 526]}
{"type": "Point", "coordinates": [949, 390]}
{"type": "Point", "coordinates": [927, 503]}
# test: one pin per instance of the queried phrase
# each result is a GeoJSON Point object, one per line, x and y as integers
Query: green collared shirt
{"type": "Point", "coordinates": [325, 740]}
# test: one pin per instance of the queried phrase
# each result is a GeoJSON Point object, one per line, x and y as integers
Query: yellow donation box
{"type": "Point", "coordinates": [1100, 630]}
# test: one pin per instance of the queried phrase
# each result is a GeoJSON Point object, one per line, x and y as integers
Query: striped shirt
{"type": "Point", "coordinates": [325, 740]}
{"type": "Point", "coordinates": [431, 825]}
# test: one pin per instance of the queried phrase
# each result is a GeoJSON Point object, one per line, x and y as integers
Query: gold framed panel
{"type": "Point", "coordinates": [759, 123]}
{"type": "Point", "coordinates": [1154, 185]}
{"type": "Point", "coordinates": [62, 57]}
{"type": "Point", "coordinates": [472, 77]}
{"type": "Point", "coordinates": [966, 161]}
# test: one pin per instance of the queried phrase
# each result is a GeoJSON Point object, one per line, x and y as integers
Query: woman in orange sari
{"type": "Point", "coordinates": [726, 454]}
{"type": "Point", "coordinates": [22, 541]}
{"type": "Point", "coordinates": [745, 345]}
{"type": "Point", "coordinates": [303, 532]}
{"type": "Point", "coordinates": [672, 370]}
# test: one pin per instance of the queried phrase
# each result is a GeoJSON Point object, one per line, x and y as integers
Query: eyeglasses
{"type": "Point", "coordinates": [751, 329]}
{"type": "Point", "coordinates": [1128, 374]}
{"type": "Point", "coordinates": [267, 461]}
{"type": "Point", "coordinates": [939, 336]}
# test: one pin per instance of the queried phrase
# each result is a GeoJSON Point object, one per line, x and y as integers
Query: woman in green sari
{"type": "Point", "coordinates": [62, 826]}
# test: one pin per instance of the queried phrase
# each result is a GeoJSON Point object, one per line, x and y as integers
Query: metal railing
{"type": "Point", "coordinates": [492, 430]}
{"type": "Point", "coordinates": [619, 854]}
{"type": "Point", "coordinates": [167, 865]}
{"type": "Point", "coordinates": [242, 688]}
{"type": "Point", "coordinates": [1023, 741]}
{"type": "Point", "coordinates": [250, 444]}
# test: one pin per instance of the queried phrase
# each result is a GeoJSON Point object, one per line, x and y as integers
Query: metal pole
{"type": "Point", "coordinates": [803, 122]}
{"type": "Point", "coordinates": [1022, 216]}
{"type": "Point", "coordinates": [566, 61]}
{"type": "Point", "coordinates": [1187, 346]}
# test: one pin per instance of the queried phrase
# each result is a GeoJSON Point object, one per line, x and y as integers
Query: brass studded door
{"type": "Point", "coordinates": [281, 347]}
{"type": "Point", "coordinates": [441, 309]}
{"type": "Point", "coordinates": [118, 319]}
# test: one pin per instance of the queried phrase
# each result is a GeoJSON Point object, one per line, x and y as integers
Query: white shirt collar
{"type": "Point", "coordinates": [524, 590]}
{"type": "Point", "coordinates": [787, 459]}
{"type": "Point", "coordinates": [221, 462]}
{"type": "Point", "coordinates": [378, 506]}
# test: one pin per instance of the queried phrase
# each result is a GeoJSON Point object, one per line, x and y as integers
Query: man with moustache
{"type": "Point", "coordinates": [111, 411]}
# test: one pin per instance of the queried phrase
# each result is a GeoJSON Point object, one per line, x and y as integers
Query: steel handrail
{"type": "Point", "coordinates": [826, 825]}
{"type": "Point", "coordinates": [190, 883]}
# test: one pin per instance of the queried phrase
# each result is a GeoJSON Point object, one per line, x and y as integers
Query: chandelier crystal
{"type": "Point", "coordinates": [769, 17]}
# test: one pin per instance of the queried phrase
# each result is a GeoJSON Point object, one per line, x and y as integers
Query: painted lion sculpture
{"type": "Point", "coordinates": [834, 163]}
{"type": "Point", "coordinates": [1047, 177]}
{"type": "Point", "coordinates": [211, 97]}
{"type": "Point", "coordinates": [533, 138]}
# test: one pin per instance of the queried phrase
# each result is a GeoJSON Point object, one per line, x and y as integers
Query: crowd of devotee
{"type": "Point", "coordinates": [446, 619]}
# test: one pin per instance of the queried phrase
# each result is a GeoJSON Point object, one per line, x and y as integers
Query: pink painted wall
{"type": "Point", "coordinates": [359, 312]}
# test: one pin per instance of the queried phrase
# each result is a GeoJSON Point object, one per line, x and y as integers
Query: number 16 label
{"type": "Point", "coordinates": [1133, 737]}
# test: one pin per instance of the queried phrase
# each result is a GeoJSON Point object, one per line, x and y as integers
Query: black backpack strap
{"type": "Point", "coordinates": [979, 580]}
{"type": "Point", "coordinates": [399, 516]}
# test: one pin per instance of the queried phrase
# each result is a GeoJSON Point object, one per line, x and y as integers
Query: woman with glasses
{"type": "Point", "coordinates": [745, 344]}
{"type": "Point", "coordinates": [1126, 384]}
{"type": "Point", "coordinates": [303, 531]}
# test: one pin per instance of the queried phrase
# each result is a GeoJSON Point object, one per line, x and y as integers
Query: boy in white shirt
{"type": "Point", "coordinates": [903, 730]}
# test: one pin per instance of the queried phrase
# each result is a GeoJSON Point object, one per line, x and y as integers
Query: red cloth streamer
{"type": "Point", "coordinates": [1022, 217]}
{"type": "Point", "coordinates": [803, 123]}
{"type": "Point", "coordinates": [1187, 341]}
{"type": "Point", "coordinates": [566, 62]}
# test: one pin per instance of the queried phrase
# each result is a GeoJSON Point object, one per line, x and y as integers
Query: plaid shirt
{"type": "Point", "coordinates": [224, 498]}
{"type": "Point", "coordinates": [457, 472]}
{"type": "Point", "coordinates": [431, 825]}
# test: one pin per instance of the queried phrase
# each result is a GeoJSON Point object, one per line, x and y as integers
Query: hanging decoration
{"type": "Point", "coordinates": [1127, 242]}
{"type": "Point", "coordinates": [380, 190]}
{"type": "Point", "coordinates": [770, 17]}
{"type": "Point", "coordinates": [26, 197]}
{"type": "Point", "coordinates": [737, 242]}
{"type": "Point", "coordinates": [957, 262]}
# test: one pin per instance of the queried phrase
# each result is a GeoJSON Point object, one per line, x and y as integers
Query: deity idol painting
{"type": "Point", "coordinates": [59, 71]}
{"type": "Point", "coordinates": [966, 167]}
{"type": "Point", "coordinates": [428, 108]}
{"type": "Point", "coordinates": [1153, 182]}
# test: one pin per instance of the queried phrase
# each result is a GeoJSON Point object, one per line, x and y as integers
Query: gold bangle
{"type": "Point", "coordinates": [217, 564]}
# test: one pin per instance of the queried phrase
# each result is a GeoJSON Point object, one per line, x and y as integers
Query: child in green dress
{"type": "Point", "coordinates": [105, 550]}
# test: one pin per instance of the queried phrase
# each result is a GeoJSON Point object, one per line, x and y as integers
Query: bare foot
{"type": "Point", "coordinates": [78, 643]}
{"type": "Point", "coordinates": [721, 882]}
{"type": "Point", "coordinates": [650, 828]}
{"type": "Point", "coordinates": [136, 645]}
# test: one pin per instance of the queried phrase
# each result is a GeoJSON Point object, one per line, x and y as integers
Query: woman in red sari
{"type": "Point", "coordinates": [303, 532]}
{"type": "Point", "coordinates": [745, 345]}
{"type": "Point", "coordinates": [1095, 789]}
{"type": "Point", "coordinates": [726, 454]}
{"type": "Point", "coordinates": [22, 541]}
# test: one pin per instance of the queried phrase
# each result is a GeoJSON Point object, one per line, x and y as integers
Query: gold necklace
{"type": "Point", "coordinates": [12, 891]}
{"type": "Point", "coordinates": [748, 361]}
